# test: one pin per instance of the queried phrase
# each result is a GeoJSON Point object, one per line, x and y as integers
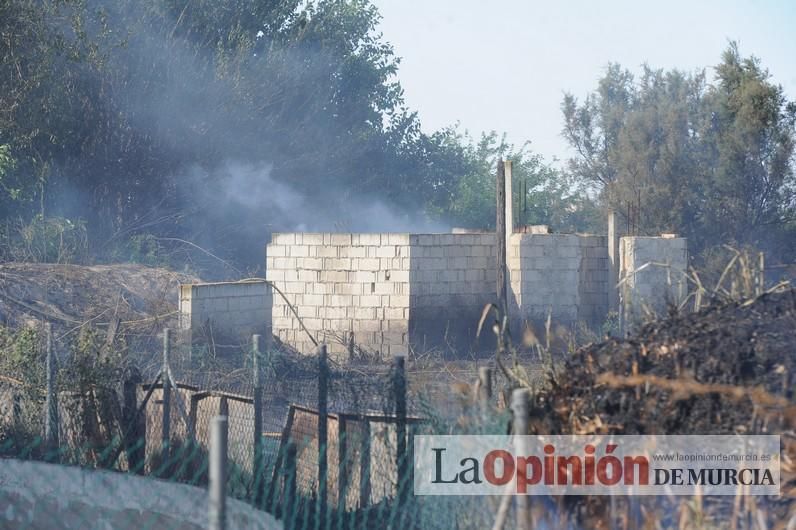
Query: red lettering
{"type": "Point", "coordinates": [489, 467]}
{"type": "Point", "coordinates": [523, 480]}
{"type": "Point", "coordinates": [643, 470]}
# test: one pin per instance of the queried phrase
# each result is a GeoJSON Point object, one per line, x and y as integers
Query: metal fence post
{"type": "Point", "coordinates": [51, 405]}
{"type": "Point", "coordinates": [520, 407]}
{"type": "Point", "coordinates": [134, 443]}
{"type": "Point", "coordinates": [217, 507]}
{"type": "Point", "coordinates": [258, 473]}
{"type": "Point", "coordinates": [166, 423]}
{"type": "Point", "coordinates": [484, 386]}
{"type": "Point", "coordinates": [323, 435]}
{"type": "Point", "coordinates": [290, 503]}
{"type": "Point", "coordinates": [191, 427]}
{"type": "Point", "coordinates": [364, 466]}
{"type": "Point", "coordinates": [402, 464]}
{"type": "Point", "coordinates": [342, 464]}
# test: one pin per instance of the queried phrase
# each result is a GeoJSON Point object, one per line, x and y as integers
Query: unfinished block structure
{"type": "Point", "coordinates": [395, 292]}
{"type": "Point", "coordinates": [392, 292]}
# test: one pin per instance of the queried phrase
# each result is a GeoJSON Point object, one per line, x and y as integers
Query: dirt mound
{"type": "Point", "coordinates": [70, 296]}
{"type": "Point", "coordinates": [726, 369]}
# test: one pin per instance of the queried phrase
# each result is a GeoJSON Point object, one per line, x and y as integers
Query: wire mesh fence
{"type": "Point", "coordinates": [310, 443]}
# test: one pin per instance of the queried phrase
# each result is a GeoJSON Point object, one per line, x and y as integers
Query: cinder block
{"type": "Point", "coordinates": [333, 276]}
{"type": "Point", "coordinates": [447, 239]}
{"type": "Point", "coordinates": [338, 300]}
{"type": "Point", "coordinates": [367, 325]}
{"type": "Point", "coordinates": [284, 263]}
{"type": "Point", "coordinates": [370, 239]}
{"type": "Point", "coordinates": [341, 239]}
{"type": "Point", "coordinates": [363, 276]}
{"type": "Point", "coordinates": [314, 264]}
{"type": "Point", "coordinates": [480, 251]}
{"type": "Point", "coordinates": [399, 301]}
{"type": "Point", "coordinates": [312, 238]}
{"type": "Point", "coordinates": [398, 239]}
{"type": "Point", "coordinates": [391, 337]}
{"type": "Point", "coordinates": [367, 264]}
{"type": "Point", "coordinates": [308, 276]}
{"type": "Point", "coordinates": [370, 301]}
{"type": "Point", "coordinates": [305, 311]}
{"type": "Point", "coordinates": [362, 313]}
{"type": "Point", "coordinates": [394, 313]}
{"type": "Point", "coordinates": [283, 239]}
{"type": "Point", "coordinates": [312, 299]}
{"type": "Point", "coordinates": [340, 264]}
{"type": "Point", "coordinates": [424, 240]}
{"type": "Point", "coordinates": [567, 251]}
{"type": "Point", "coordinates": [457, 251]}
{"type": "Point", "coordinates": [385, 251]}
{"type": "Point", "coordinates": [475, 263]}
{"type": "Point", "coordinates": [399, 276]}
{"type": "Point", "coordinates": [276, 251]}
{"type": "Point", "coordinates": [381, 288]}
{"type": "Point", "coordinates": [352, 252]}
{"type": "Point", "coordinates": [348, 288]}
{"type": "Point", "coordinates": [329, 251]}
{"type": "Point", "coordinates": [293, 287]}
{"type": "Point", "coordinates": [433, 252]}
{"type": "Point", "coordinates": [313, 323]}
{"type": "Point", "coordinates": [398, 325]}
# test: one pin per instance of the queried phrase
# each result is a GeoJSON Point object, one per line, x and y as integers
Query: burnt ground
{"type": "Point", "coordinates": [726, 369]}
{"type": "Point", "coordinates": [723, 370]}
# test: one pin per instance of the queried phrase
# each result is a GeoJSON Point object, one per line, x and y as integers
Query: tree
{"type": "Point", "coordinates": [673, 153]}
{"type": "Point", "coordinates": [131, 114]}
{"type": "Point", "coordinates": [749, 145]}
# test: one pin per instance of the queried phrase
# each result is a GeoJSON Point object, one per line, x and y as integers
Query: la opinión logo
{"type": "Point", "coordinates": [500, 467]}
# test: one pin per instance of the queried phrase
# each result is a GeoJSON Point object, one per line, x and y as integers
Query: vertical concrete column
{"type": "Point", "coordinates": [509, 204]}
{"type": "Point", "coordinates": [613, 262]}
{"type": "Point", "coordinates": [502, 237]}
{"type": "Point", "coordinates": [509, 216]}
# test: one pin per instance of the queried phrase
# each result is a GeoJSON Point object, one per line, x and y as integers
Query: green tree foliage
{"type": "Point", "coordinates": [128, 112]}
{"type": "Point", "coordinates": [541, 194]}
{"type": "Point", "coordinates": [672, 152]}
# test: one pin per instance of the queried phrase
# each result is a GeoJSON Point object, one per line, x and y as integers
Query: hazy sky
{"type": "Point", "coordinates": [505, 64]}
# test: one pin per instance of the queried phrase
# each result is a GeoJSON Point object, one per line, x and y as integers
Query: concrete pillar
{"type": "Point", "coordinates": [509, 205]}
{"type": "Point", "coordinates": [613, 262]}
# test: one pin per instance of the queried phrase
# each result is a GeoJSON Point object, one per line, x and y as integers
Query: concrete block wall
{"type": "Point", "coordinates": [341, 284]}
{"type": "Point", "coordinates": [564, 275]}
{"type": "Point", "coordinates": [547, 276]}
{"type": "Point", "coordinates": [228, 313]}
{"type": "Point", "coordinates": [399, 291]}
{"type": "Point", "coordinates": [452, 278]}
{"type": "Point", "coordinates": [593, 285]}
{"type": "Point", "coordinates": [651, 271]}
{"type": "Point", "coordinates": [394, 292]}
